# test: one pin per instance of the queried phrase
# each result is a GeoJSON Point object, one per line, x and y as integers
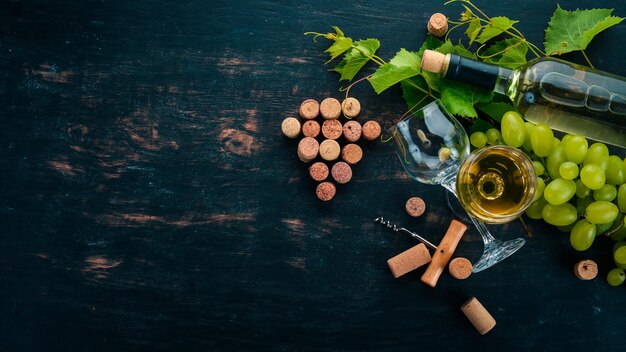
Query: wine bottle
{"type": "Point", "coordinates": [568, 97]}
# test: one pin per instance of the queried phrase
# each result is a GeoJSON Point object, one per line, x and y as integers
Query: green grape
{"type": "Point", "coordinates": [582, 204]}
{"type": "Point", "coordinates": [598, 154]}
{"type": "Point", "coordinates": [534, 210]}
{"type": "Point", "coordinates": [554, 161]}
{"type": "Point", "coordinates": [493, 136]}
{"type": "Point", "coordinates": [606, 192]}
{"type": "Point", "coordinates": [619, 255]}
{"type": "Point", "coordinates": [581, 190]}
{"type": "Point", "coordinates": [539, 168]}
{"type": "Point", "coordinates": [513, 129]}
{"type": "Point", "coordinates": [567, 137]}
{"type": "Point", "coordinates": [556, 143]}
{"type": "Point", "coordinates": [601, 212]}
{"type": "Point", "coordinates": [559, 191]}
{"type": "Point", "coordinates": [527, 146]}
{"type": "Point", "coordinates": [620, 233]}
{"type": "Point", "coordinates": [624, 166]}
{"type": "Point", "coordinates": [615, 277]}
{"type": "Point", "coordinates": [617, 245]}
{"type": "Point", "coordinates": [568, 170]}
{"type": "Point", "coordinates": [592, 176]}
{"type": "Point", "coordinates": [478, 139]}
{"type": "Point", "coordinates": [602, 228]}
{"type": "Point", "coordinates": [540, 138]}
{"type": "Point", "coordinates": [559, 215]}
{"type": "Point", "coordinates": [615, 174]}
{"type": "Point", "coordinates": [582, 235]}
{"type": "Point", "coordinates": [621, 198]}
{"type": "Point", "coordinates": [541, 186]}
{"type": "Point", "coordinates": [576, 149]}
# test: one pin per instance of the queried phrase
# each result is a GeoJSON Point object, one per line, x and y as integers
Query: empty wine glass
{"type": "Point", "coordinates": [433, 147]}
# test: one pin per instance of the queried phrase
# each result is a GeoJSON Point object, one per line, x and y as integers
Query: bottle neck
{"type": "Point", "coordinates": [478, 73]}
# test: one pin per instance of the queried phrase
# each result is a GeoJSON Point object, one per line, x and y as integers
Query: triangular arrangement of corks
{"type": "Point", "coordinates": [322, 141]}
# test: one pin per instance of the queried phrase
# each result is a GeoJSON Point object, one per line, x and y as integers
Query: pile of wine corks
{"type": "Point", "coordinates": [329, 135]}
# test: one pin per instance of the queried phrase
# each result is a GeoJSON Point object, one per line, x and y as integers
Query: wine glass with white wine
{"type": "Point", "coordinates": [494, 184]}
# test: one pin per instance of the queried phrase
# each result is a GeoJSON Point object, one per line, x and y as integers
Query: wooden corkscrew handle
{"type": "Point", "coordinates": [444, 251]}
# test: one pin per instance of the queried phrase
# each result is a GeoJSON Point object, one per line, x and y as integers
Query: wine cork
{"type": "Point", "coordinates": [370, 130]}
{"type": "Point", "coordinates": [478, 315]}
{"type": "Point", "coordinates": [311, 128]}
{"type": "Point", "coordinates": [308, 149]}
{"type": "Point", "coordinates": [330, 108]}
{"type": "Point", "coordinates": [460, 268]}
{"type": "Point", "coordinates": [351, 153]}
{"type": "Point", "coordinates": [415, 207]}
{"type": "Point", "coordinates": [409, 260]}
{"type": "Point", "coordinates": [290, 127]}
{"type": "Point", "coordinates": [350, 107]}
{"type": "Point", "coordinates": [319, 171]}
{"type": "Point", "coordinates": [586, 269]}
{"type": "Point", "coordinates": [325, 191]}
{"type": "Point", "coordinates": [433, 61]}
{"type": "Point", "coordinates": [352, 131]}
{"type": "Point", "coordinates": [443, 253]}
{"type": "Point", "coordinates": [437, 25]}
{"type": "Point", "coordinates": [332, 129]}
{"type": "Point", "coordinates": [329, 150]}
{"type": "Point", "coordinates": [341, 172]}
{"type": "Point", "coordinates": [309, 109]}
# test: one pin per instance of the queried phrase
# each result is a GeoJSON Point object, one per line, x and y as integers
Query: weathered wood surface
{"type": "Point", "coordinates": [149, 201]}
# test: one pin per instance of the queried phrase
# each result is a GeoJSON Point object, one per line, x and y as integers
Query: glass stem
{"type": "Point", "coordinates": [449, 183]}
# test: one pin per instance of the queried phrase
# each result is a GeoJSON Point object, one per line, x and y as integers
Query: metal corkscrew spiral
{"type": "Point", "coordinates": [395, 228]}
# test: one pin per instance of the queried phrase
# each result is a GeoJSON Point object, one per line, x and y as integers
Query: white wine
{"type": "Point", "coordinates": [496, 184]}
{"type": "Point", "coordinates": [567, 97]}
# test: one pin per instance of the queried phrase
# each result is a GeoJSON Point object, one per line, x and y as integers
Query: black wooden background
{"type": "Point", "coordinates": [148, 200]}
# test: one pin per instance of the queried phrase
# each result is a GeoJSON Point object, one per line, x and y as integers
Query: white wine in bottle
{"type": "Point", "coordinates": [567, 97]}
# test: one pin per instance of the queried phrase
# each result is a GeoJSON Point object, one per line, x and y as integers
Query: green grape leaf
{"type": "Point", "coordinates": [404, 65]}
{"type": "Point", "coordinates": [473, 30]}
{"type": "Point", "coordinates": [496, 26]}
{"type": "Point", "coordinates": [459, 98]}
{"type": "Point", "coordinates": [461, 50]}
{"type": "Point", "coordinates": [573, 30]}
{"type": "Point", "coordinates": [480, 126]}
{"type": "Point", "coordinates": [413, 92]}
{"type": "Point", "coordinates": [356, 58]}
{"type": "Point", "coordinates": [495, 110]}
{"type": "Point", "coordinates": [340, 45]}
{"type": "Point", "coordinates": [510, 53]}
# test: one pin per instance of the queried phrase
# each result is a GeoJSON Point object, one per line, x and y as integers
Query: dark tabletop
{"type": "Point", "coordinates": [148, 200]}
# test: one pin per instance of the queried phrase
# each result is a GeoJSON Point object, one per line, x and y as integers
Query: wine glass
{"type": "Point", "coordinates": [433, 147]}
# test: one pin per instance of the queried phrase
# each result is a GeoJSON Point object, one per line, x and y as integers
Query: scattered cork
{"type": "Point", "coordinates": [332, 129]}
{"type": "Point", "coordinates": [437, 25]}
{"type": "Point", "coordinates": [350, 107]}
{"type": "Point", "coordinates": [370, 130]}
{"type": "Point", "coordinates": [351, 153]}
{"type": "Point", "coordinates": [325, 191]}
{"type": "Point", "coordinates": [586, 269]}
{"type": "Point", "coordinates": [311, 128]}
{"type": "Point", "coordinates": [290, 127]}
{"type": "Point", "coordinates": [309, 109]}
{"type": "Point", "coordinates": [330, 108]}
{"type": "Point", "coordinates": [352, 131]}
{"type": "Point", "coordinates": [308, 149]}
{"type": "Point", "coordinates": [319, 171]}
{"type": "Point", "coordinates": [409, 260]}
{"type": "Point", "coordinates": [415, 207]}
{"type": "Point", "coordinates": [330, 150]}
{"type": "Point", "coordinates": [433, 61]}
{"type": "Point", "coordinates": [460, 268]}
{"type": "Point", "coordinates": [478, 315]}
{"type": "Point", "coordinates": [341, 172]}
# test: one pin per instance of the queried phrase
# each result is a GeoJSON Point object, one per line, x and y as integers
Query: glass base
{"type": "Point", "coordinates": [495, 252]}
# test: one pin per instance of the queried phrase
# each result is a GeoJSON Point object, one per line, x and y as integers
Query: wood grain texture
{"type": "Point", "coordinates": [150, 202]}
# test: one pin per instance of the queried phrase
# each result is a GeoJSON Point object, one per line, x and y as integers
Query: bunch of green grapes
{"type": "Point", "coordinates": [581, 188]}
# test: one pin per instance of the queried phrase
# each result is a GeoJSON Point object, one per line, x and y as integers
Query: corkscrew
{"type": "Point", "coordinates": [395, 228]}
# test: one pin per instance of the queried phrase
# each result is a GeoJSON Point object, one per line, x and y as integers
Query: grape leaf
{"type": "Point", "coordinates": [340, 45]}
{"type": "Point", "coordinates": [496, 26]}
{"type": "Point", "coordinates": [461, 50]}
{"type": "Point", "coordinates": [573, 30]}
{"type": "Point", "coordinates": [510, 53]}
{"type": "Point", "coordinates": [404, 65]}
{"type": "Point", "coordinates": [459, 98]}
{"type": "Point", "coordinates": [413, 92]}
{"type": "Point", "coordinates": [480, 126]}
{"type": "Point", "coordinates": [473, 30]}
{"type": "Point", "coordinates": [495, 110]}
{"type": "Point", "coordinates": [356, 58]}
